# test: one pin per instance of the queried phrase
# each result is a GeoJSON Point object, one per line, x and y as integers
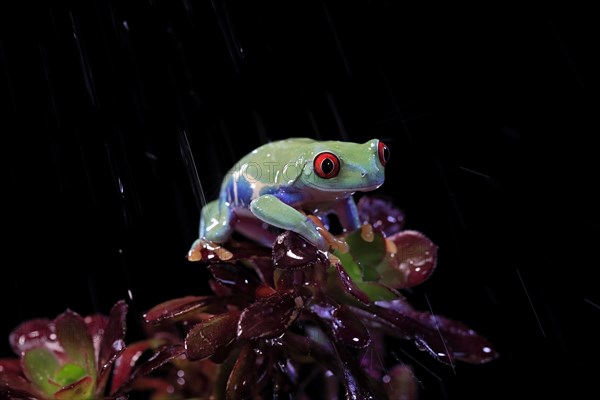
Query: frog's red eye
{"type": "Point", "coordinates": [384, 153]}
{"type": "Point", "coordinates": [327, 165]}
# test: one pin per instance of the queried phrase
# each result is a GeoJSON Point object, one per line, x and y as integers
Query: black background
{"type": "Point", "coordinates": [490, 115]}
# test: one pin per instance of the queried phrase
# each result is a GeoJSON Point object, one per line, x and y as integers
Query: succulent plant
{"type": "Point", "coordinates": [70, 357]}
{"type": "Point", "coordinates": [286, 322]}
{"type": "Point", "coordinates": [281, 322]}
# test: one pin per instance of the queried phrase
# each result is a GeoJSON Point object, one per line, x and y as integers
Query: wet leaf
{"type": "Point", "coordinates": [356, 383]}
{"type": "Point", "coordinates": [10, 365]}
{"type": "Point", "coordinates": [206, 337]}
{"type": "Point", "coordinates": [158, 359]}
{"type": "Point", "coordinates": [351, 268]}
{"type": "Point", "coordinates": [341, 321]}
{"type": "Point", "coordinates": [114, 335]}
{"type": "Point", "coordinates": [127, 359]}
{"type": "Point", "coordinates": [400, 383]}
{"type": "Point", "coordinates": [264, 291]}
{"type": "Point", "coordinates": [367, 254]}
{"type": "Point", "coordinates": [443, 338]}
{"type": "Point", "coordinates": [376, 291]}
{"type": "Point", "coordinates": [292, 251]}
{"type": "Point", "coordinates": [222, 353]}
{"type": "Point", "coordinates": [15, 387]}
{"type": "Point", "coordinates": [40, 366]}
{"type": "Point", "coordinates": [235, 276]}
{"type": "Point", "coordinates": [263, 266]}
{"type": "Point", "coordinates": [33, 333]}
{"type": "Point", "coordinates": [381, 214]}
{"type": "Point", "coordinates": [348, 285]}
{"type": "Point", "coordinates": [180, 308]}
{"type": "Point", "coordinates": [270, 317]}
{"type": "Point", "coordinates": [83, 389]}
{"type": "Point", "coordinates": [284, 280]}
{"type": "Point", "coordinates": [96, 325]}
{"type": "Point", "coordinates": [412, 263]}
{"type": "Point", "coordinates": [73, 335]}
{"type": "Point", "coordinates": [371, 357]}
{"type": "Point", "coordinates": [248, 376]}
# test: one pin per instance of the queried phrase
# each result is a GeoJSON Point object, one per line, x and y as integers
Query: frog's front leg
{"type": "Point", "coordinates": [347, 213]}
{"type": "Point", "coordinates": [273, 211]}
{"type": "Point", "coordinates": [216, 222]}
{"type": "Point", "coordinates": [215, 226]}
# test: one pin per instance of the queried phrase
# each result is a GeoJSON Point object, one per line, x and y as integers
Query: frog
{"type": "Point", "coordinates": [280, 184]}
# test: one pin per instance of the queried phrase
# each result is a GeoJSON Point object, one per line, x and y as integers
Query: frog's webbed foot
{"type": "Point", "coordinates": [205, 250]}
{"type": "Point", "coordinates": [330, 240]}
{"type": "Point", "coordinates": [216, 222]}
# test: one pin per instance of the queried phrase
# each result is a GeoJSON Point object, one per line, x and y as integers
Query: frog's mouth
{"type": "Point", "coordinates": [347, 189]}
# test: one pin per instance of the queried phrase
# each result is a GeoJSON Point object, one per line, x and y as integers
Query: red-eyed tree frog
{"type": "Point", "coordinates": [272, 185]}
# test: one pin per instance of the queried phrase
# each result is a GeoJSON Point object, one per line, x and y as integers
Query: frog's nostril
{"type": "Point", "coordinates": [363, 174]}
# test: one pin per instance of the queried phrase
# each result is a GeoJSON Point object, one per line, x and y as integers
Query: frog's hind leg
{"type": "Point", "coordinates": [216, 225]}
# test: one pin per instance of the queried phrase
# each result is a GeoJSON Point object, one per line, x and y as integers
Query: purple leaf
{"type": "Point", "coordinates": [206, 337]}
{"type": "Point", "coordinates": [32, 333]}
{"type": "Point", "coordinates": [348, 285]}
{"type": "Point", "coordinates": [381, 214]}
{"type": "Point", "coordinates": [235, 276]}
{"type": "Point", "coordinates": [222, 353]}
{"type": "Point", "coordinates": [292, 251]}
{"type": "Point", "coordinates": [10, 365]}
{"type": "Point", "coordinates": [411, 264]}
{"type": "Point", "coordinates": [400, 383]}
{"type": "Point", "coordinates": [113, 342]}
{"type": "Point", "coordinates": [96, 325]}
{"type": "Point", "coordinates": [249, 375]}
{"type": "Point", "coordinates": [270, 317]}
{"type": "Point", "coordinates": [114, 335]}
{"type": "Point", "coordinates": [15, 387]}
{"type": "Point", "coordinates": [263, 266]}
{"type": "Point", "coordinates": [180, 308]}
{"type": "Point", "coordinates": [443, 338]}
{"type": "Point", "coordinates": [158, 359]}
{"type": "Point", "coordinates": [82, 389]}
{"type": "Point", "coordinates": [73, 335]}
{"type": "Point", "coordinates": [371, 357]}
{"type": "Point", "coordinates": [126, 361]}
{"type": "Point", "coordinates": [341, 321]}
{"type": "Point", "coordinates": [356, 383]}
{"type": "Point", "coordinates": [337, 359]}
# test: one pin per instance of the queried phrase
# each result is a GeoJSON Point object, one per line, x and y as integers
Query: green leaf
{"type": "Point", "coordinates": [351, 267]}
{"type": "Point", "coordinates": [377, 292]}
{"type": "Point", "coordinates": [83, 389]}
{"type": "Point", "coordinates": [73, 335]}
{"type": "Point", "coordinates": [40, 366]}
{"type": "Point", "coordinates": [69, 373]}
{"type": "Point", "coordinates": [364, 256]}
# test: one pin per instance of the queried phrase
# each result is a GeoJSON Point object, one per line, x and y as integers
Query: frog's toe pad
{"type": "Point", "coordinates": [205, 250]}
{"type": "Point", "coordinates": [195, 252]}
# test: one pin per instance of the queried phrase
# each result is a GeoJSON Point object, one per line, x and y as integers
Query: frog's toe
{"type": "Point", "coordinates": [194, 254]}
